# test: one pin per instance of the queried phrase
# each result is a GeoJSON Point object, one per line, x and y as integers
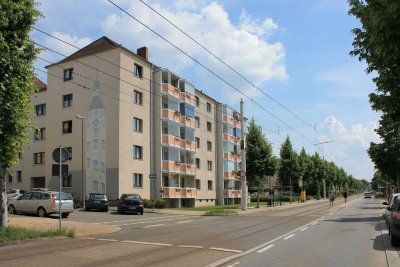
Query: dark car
{"type": "Point", "coordinates": [394, 223]}
{"type": "Point", "coordinates": [130, 203]}
{"type": "Point", "coordinates": [97, 201]}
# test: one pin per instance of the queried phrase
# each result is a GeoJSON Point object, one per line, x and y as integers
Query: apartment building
{"type": "Point", "coordinates": [130, 120]}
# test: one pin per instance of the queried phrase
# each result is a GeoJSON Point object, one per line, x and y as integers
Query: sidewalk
{"type": "Point", "coordinates": [81, 229]}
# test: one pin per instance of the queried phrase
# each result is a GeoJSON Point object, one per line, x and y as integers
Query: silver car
{"type": "Point", "coordinates": [42, 203]}
{"type": "Point", "coordinates": [14, 193]}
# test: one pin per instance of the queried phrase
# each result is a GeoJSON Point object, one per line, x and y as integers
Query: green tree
{"type": "Point", "coordinates": [260, 162]}
{"type": "Point", "coordinates": [289, 171]}
{"type": "Point", "coordinates": [17, 53]}
{"type": "Point", "coordinates": [377, 42]}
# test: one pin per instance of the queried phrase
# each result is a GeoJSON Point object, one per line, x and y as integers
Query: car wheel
{"type": "Point", "coordinates": [64, 215]}
{"type": "Point", "coordinates": [41, 212]}
{"type": "Point", "coordinates": [12, 210]}
{"type": "Point", "coordinates": [394, 240]}
{"type": "Point", "coordinates": [141, 213]}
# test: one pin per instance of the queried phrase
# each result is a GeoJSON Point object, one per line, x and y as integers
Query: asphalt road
{"type": "Point", "coordinates": [180, 240]}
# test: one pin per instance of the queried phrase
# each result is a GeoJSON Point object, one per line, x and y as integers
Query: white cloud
{"type": "Point", "coordinates": [64, 48]}
{"type": "Point", "coordinates": [241, 46]}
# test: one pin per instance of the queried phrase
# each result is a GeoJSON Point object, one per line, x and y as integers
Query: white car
{"type": "Point", "coordinates": [14, 193]}
{"type": "Point", "coordinates": [42, 203]}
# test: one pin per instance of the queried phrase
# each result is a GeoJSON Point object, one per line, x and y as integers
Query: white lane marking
{"type": "Point", "coordinates": [234, 264]}
{"type": "Point", "coordinates": [305, 228]}
{"type": "Point", "coordinates": [147, 219]}
{"type": "Point", "coordinates": [186, 221]}
{"type": "Point", "coordinates": [289, 236]}
{"type": "Point", "coordinates": [146, 243]}
{"type": "Point", "coordinates": [315, 223]}
{"type": "Point", "coordinates": [110, 240]}
{"type": "Point", "coordinates": [226, 250]}
{"type": "Point", "coordinates": [89, 238]}
{"type": "Point", "coordinates": [189, 246]}
{"type": "Point", "coordinates": [154, 225]}
{"type": "Point", "coordinates": [266, 248]}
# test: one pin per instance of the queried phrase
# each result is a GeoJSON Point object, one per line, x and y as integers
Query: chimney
{"type": "Point", "coordinates": [143, 52]}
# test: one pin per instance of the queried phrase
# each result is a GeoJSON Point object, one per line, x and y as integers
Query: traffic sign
{"type": "Point", "coordinates": [64, 155]}
{"type": "Point", "coordinates": [153, 176]}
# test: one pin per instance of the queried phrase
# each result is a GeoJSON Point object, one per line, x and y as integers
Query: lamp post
{"type": "Point", "coordinates": [82, 170]}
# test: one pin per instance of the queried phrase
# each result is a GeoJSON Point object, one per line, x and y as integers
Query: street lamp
{"type": "Point", "coordinates": [83, 178]}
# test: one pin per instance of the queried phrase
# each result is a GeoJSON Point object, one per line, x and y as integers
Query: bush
{"type": "Point", "coordinates": [220, 212]}
{"type": "Point", "coordinates": [379, 195]}
{"type": "Point", "coordinates": [160, 204]}
{"type": "Point", "coordinates": [13, 233]}
{"type": "Point", "coordinates": [147, 203]}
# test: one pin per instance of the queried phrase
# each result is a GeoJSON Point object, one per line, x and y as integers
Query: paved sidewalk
{"type": "Point", "coordinates": [81, 229]}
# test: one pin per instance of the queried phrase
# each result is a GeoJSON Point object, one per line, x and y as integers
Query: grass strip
{"type": "Point", "coordinates": [220, 212]}
{"type": "Point", "coordinates": [14, 233]}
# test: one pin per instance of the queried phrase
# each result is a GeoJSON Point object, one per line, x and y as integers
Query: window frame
{"type": "Point", "coordinates": [67, 102]}
{"type": "Point", "coordinates": [137, 70]}
{"type": "Point", "coordinates": [210, 185]}
{"type": "Point", "coordinates": [137, 95]}
{"type": "Point", "coordinates": [135, 154]}
{"type": "Point", "coordinates": [39, 158]}
{"type": "Point", "coordinates": [209, 107]}
{"type": "Point", "coordinates": [140, 176]}
{"type": "Point", "coordinates": [209, 165]}
{"type": "Point", "coordinates": [19, 176]}
{"type": "Point", "coordinates": [209, 126]}
{"type": "Point", "coordinates": [68, 74]}
{"type": "Point", "coordinates": [42, 108]}
{"type": "Point", "coordinates": [69, 129]}
{"type": "Point", "coordinates": [40, 134]}
{"type": "Point", "coordinates": [135, 120]}
{"type": "Point", "coordinates": [209, 146]}
{"type": "Point", "coordinates": [197, 140]}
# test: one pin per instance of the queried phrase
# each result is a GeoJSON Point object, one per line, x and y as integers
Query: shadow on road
{"type": "Point", "coordinates": [370, 219]}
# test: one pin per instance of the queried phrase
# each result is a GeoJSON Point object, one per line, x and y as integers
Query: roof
{"type": "Point", "coordinates": [39, 84]}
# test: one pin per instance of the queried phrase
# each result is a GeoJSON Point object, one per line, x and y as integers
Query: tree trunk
{"type": "Point", "coordinates": [258, 196]}
{"type": "Point", "coordinates": [3, 200]}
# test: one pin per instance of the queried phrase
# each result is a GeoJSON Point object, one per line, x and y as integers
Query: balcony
{"type": "Point", "coordinates": [231, 175]}
{"type": "Point", "coordinates": [171, 90]}
{"type": "Point", "coordinates": [228, 193]}
{"type": "Point", "coordinates": [176, 192]}
{"type": "Point", "coordinates": [233, 157]}
{"type": "Point", "coordinates": [232, 121]}
{"type": "Point", "coordinates": [187, 98]}
{"type": "Point", "coordinates": [171, 115]}
{"type": "Point", "coordinates": [177, 167]}
{"type": "Point", "coordinates": [174, 141]}
{"type": "Point", "coordinates": [231, 138]}
{"type": "Point", "coordinates": [187, 121]}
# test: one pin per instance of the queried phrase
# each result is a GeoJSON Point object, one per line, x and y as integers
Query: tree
{"type": "Point", "coordinates": [377, 42]}
{"type": "Point", "coordinates": [289, 171]}
{"type": "Point", "coordinates": [260, 162]}
{"type": "Point", "coordinates": [17, 53]}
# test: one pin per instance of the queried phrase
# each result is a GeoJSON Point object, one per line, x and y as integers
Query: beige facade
{"type": "Point", "coordinates": [138, 120]}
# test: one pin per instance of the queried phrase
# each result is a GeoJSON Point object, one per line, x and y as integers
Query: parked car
{"type": "Point", "coordinates": [42, 203]}
{"type": "Point", "coordinates": [390, 204]}
{"type": "Point", "coordinates": [131, 203]}
{"type": "Point", "coordinates": [40, 189]}
{"type": "Point", "coordinates": [97, 201]}
{"type": "Point", "coordinates": [14, 193]}
{"type": "Point", "coordinates": [394, 223]}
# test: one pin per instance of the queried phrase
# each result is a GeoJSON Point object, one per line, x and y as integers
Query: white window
{"type": "Point", "coordinates": [67, 100]}
{"type": "Point", "coordinates": [137, 70]}
{"type": "Point", "coordinates": [209, 165]}
{"type": "Point", "coordinates": [137, 152]}
{"type": "Point", "coordinates": [137, 179]}
{"type": "Point", "coordinates": [68, 74]}
{"type": "Point", "coordinates": [137, 98]}
{"type": "Point", "coordinates": [137, 125]}
{"type": "Point", "coordinates": [40, 109]}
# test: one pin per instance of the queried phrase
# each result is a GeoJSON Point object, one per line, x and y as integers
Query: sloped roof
{"type": "Point", "coordinates": [100, 45]}
{"type": "Point", "coordinates": [39, 84]}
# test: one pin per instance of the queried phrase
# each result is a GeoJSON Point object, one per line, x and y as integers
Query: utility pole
{"type": "Point", "coordinates": [3, 200]}
{"type": "Point", "coordinates": [82, 169]}
{"type": "Point", "coordinates": [243, 147]}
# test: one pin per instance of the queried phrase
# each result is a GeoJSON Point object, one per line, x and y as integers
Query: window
{"type": "Point", "coordinates": [137, 70]}
{"type": "Point", "coordinates": [19, 176]}
{"type": "Point", "coordinates": [210, 187]}
{"type": "Point", "coordinates": [197, 163]}
{"type": "Point", "coordinates": [40, 109]}
{"type": "Point", "coordinates": [137, 152]}
{"type": "Point", "coordinates": [68, 74]}
{"type": "Point", "coordinates": [197, 101]}
{"type": "Point", "coordinates": [197, 183]}
{"type": "Point", "coordinates": [69, 149]}
{"type": "Point", "coordinates": [67, 127]}
{"type": "Point", "coordinates": [40, 134]}
{"type": "Point", "coordinates": [67, 100]}
{"type": "Point", "coordinates": [197, 142]}
{"type": "Point", "coordinates": [137, 180]}
{"type": "Point", "coordinates": [137, 98]}
{"type": "Point", "coordinates": [209, 126]}
{"type": "Point", "coordinates": [182, 185]}
{"type": "Point", "coordinates": [10, 178]}
{"type": "Point", "coordinates": [137, 125]}
{"type": "Point", "coordinates": [38, 158]}
{"type": "Point", "coordinates": [95, 144]}
{"type": "Point", "coordinates": [209, 165]}
{"type": "Point", "coordinates": [67, 180]}
{"type": "Point", "coordinates": [208, 107]}
{"type": "Point", "coordinates": [209, 146]}
{"type": "Point", "coordinates": [166, 181]}
{"type": "Point", "coordinates": [197, 122]}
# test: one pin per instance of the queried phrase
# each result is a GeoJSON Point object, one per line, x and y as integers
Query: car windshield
{"type": "Point", "coordinates": [64, 196]}
{"type": "Point", "coordinates": [97, 196]}
{"type": "Point", "coordinates": [12, 191]}
{"type": "Point", "coordinates": [131, 197]}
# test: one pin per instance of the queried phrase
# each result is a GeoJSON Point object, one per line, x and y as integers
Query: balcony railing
{"type": "Point", "coordinates": [178, 167]}
{"type": "Point", "coordinates": [176, 192]}
{"type": "Point", "coordinates": [171, 115]}
{"type": "Point", "coordinates": [231, 138]}
{"type": "Point", "coordinates": [174, 141]}
{"type": "Point", "coordinates": [231, 175]}
{"type": "Point", "coordinates": [233, 157]}
{"type": "Point", "coordinates": [187, 121]}
{"type": "Point", "coordinates": [187, 98]}
{"type": "Point", "coordinates": [232, 121]}
{"type": "Point", "coordinates": [171, 90]}
{"type": "Point", "coordinates": [232, 193]}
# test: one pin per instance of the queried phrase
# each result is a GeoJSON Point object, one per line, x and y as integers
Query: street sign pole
{"type": "Point", "coordinates": [243, 148]}
{"type": "Point", "coordinates": [59, 196]}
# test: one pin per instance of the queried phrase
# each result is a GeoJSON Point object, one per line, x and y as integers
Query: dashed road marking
{"type": "Point", "coordinates": [305, 228]}
{"type": "Point", "coordinates": [189, 246]}
{"type": "Point", "coordinates": [315, 223]}
{"type": "Point", "coordinates": [110, 240]}
{"type": "Point", "coordinates": [146, 243]}
{"type": "Point", "coordinates": [148, 221]}
{"type": "Point", "coordinates": [89, 238]}
{"type": "Point", "coordinates": [234, 264]}
{"type": "Point", "coordinates": [289, 236]}
{"type": "Point", "coordinates": [140, 220]}
{"type": "Point", "coordinates": [266, 248]}
{"type": "Point", "coordinates": [226, 250]}
{"type": "Point", "coordinates": [154, 225]}
{"type": "Point", "coordinates": [186, 221]}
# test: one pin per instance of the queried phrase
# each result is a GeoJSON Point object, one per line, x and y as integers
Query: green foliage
{"type": "Point", "coordinates": [13, 233]}
{"type": "Point", "coordinates": [377, 42]}
{"type": "Point", "coordinates": [290, 170]}
{"type": "Point", "coordinates": [147, 203]}
{"type": "Point", "coordinates": [379, 195]}
{"type": "Point", "coordinates": [17, 53]}
{"type": "Point", "coordinates": [220, 212]}
{"type": "Point", "coordinates": [160, 204]}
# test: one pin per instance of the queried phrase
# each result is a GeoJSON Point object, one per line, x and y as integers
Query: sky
{"type": "Point", "coordinates": [300, 80]}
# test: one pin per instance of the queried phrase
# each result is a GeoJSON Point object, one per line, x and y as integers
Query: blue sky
{"type": "Point", "coordinates": [295, 51]}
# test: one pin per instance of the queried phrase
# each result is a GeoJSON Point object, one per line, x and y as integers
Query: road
{"type": "Point", "coordinates": [311, 235]}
